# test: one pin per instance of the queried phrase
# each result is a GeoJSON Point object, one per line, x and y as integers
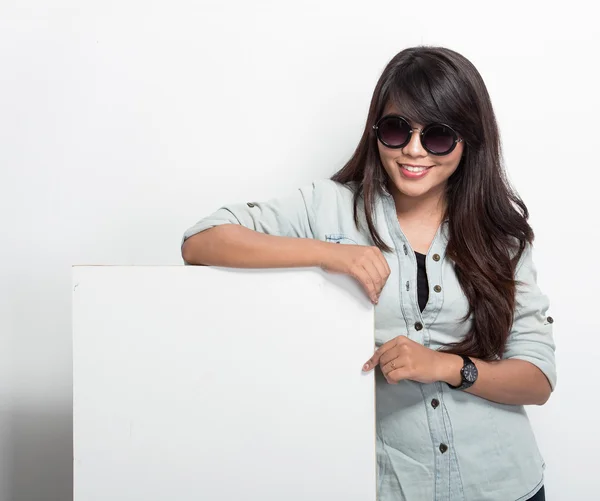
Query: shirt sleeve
{"type": "Point", "coordinates": [531, 337]}
{"type": "Point", "coordinates": [289, 216]}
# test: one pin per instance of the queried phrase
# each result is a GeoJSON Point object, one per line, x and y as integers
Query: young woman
{"type": "Point", "coordinates": [441, 244]}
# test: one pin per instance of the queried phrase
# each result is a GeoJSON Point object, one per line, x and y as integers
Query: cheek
{"type": "Point", "coordinates": [451, 163]}
{"type": "Point", "coordinates": [385, 156]}
{"type": "Point", "coordinates": [382, 152]}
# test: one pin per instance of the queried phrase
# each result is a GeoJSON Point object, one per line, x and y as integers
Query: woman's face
{"type": "Point", "coordinates": [424, 182]}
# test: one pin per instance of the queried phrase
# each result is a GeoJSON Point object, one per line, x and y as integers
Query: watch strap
{"type": "Point", "coordinates": [465, 383]}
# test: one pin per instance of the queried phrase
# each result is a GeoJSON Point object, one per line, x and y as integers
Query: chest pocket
{"type": "Point", "coordinates": [339, 238]}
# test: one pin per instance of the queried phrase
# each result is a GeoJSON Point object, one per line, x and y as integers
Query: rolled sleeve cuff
{"type": "Point", "coordinates": [545, 365]}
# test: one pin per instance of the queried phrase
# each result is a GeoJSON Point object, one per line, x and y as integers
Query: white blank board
{"type": "Point", "coordinates": [198, 383]}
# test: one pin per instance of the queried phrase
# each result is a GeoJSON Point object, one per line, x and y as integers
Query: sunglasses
{"type": "Point", "coordinates": [394, 131]}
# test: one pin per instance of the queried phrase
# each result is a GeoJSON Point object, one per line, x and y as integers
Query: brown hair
{"type": "Point", "coordinates": [488, 221]}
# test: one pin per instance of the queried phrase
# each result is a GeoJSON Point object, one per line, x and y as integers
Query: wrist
{"type": "Point", "coordinates": [450, 367]}
{"type": "Point", "coordinates": [320, 253]}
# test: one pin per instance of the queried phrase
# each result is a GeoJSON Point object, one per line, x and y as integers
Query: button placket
{"type": "Point", "coordinates": [399, 242]}
{"type": "Point", "coordinates": [441, 436]}
{"type": "Point", "coordinates": [409, 297]}
{"type": "Point", "coordinates": [438, 418]}
{"type": "Point", "coordinates": [434, 265]}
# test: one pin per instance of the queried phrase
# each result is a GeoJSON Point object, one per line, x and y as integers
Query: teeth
{"type": "Point", "coordinates": [414, 169]}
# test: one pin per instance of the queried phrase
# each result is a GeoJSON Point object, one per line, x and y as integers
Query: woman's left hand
{"type": "Point", "coordinates": [401, 358]}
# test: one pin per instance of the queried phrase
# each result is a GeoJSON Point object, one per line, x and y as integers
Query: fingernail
{"type": "Point", "coordinates": [366, 366]}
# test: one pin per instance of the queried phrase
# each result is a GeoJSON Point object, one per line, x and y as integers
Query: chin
{"type": "Point", "coordinates": [412, 191]}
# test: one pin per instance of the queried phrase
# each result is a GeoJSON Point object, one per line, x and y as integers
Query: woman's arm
{"type": "Point", "coordinates": [527, 373]}
{"type": "Point", "coordinates": [515, 382]}
{"type": "Point", "coordinates": [236, 246]}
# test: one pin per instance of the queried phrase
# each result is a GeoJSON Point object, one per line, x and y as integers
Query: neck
{"type": "Point", "coordinates": [427, 207]}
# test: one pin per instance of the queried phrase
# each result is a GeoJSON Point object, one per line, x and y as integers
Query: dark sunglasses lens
{"type": "Point", "coordinates": [393, 131]}
{"type": "Point", "coordinates": [438, 139]}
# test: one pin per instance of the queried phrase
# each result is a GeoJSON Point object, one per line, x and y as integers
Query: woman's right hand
{"type": "Point", "coordinates": [366, 264]}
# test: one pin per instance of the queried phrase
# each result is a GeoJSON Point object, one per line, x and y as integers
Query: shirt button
{"type": "Point", "coordinates": [435, 402]}
{"type": "Point", "coordinates": [436, 257]}
{"type": "Point", "coordinates": [418, 326]}
{"type": "Point", "coordinates": [443, 448]}
{"type": "Point", "coordinates": [437, 288]}
{"type": "Point", "coordinates": [550, 320]}
{"type": "Point", "coordinates": [250, 204]}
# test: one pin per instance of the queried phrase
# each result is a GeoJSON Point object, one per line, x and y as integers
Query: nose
{"type": "Point", "coordinates": [414, 148]}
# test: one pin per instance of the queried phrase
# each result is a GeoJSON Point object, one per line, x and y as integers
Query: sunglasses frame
{"type": "Point", "coordinates": [411, 129]}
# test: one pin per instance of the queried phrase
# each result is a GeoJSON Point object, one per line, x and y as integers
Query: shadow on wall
{"type": "Point", "coordinates": [40, 458]}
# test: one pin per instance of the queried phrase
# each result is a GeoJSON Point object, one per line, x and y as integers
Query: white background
{"type": "Point", "coordinates": [115, 130]}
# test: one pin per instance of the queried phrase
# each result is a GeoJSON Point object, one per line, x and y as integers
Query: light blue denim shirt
{"type": "Point", "coordinates": [433, 443]}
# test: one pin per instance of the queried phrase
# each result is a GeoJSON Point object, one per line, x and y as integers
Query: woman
{"type": "Point", "coordinates": [441, 244]}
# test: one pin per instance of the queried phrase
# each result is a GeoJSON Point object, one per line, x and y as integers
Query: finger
{"type": "Point", "coordinates": [391, 366]}
{"type": "Point", "coordinates": [363, 276]}
{"type": "Point", "coordinates": [381, 263]}
{"type": "Point", "coordinates": [382, 266]}
{"type": "Point", "coordinates": [375, 270]}
{"type": "Point", "coordinates": [374, 360]}
{"type": "Point", "coordinates": [390, 356]}
{"type": "Point", "coordinates": [398, 349]}
{"type": "Point", "coordinates": [397, 375]}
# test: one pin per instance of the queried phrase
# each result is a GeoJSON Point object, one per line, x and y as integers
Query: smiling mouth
{"type": "Point", "coordinates": [414, 168]}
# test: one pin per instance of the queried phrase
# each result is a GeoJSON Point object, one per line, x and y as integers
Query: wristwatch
{"type": "Point", "coordinates": [468, 373]}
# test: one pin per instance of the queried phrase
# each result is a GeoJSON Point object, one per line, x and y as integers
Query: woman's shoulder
{"type": "Point", "coordinates": [326, 192]}
{"type": "Point", "coordinates": [330, 206]}
{"type": "Point", "coordinates": [329, 186]}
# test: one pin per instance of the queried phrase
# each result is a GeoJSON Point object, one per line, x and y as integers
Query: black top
{"type": "Point", "coordinates": [422, 284]}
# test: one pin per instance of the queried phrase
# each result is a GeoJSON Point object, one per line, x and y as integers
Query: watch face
{"type": "Point", "coordinates": [470, 373]}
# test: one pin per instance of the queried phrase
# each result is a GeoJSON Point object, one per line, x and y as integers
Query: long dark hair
{"type": "Point", "coordinates": [488, 221]}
